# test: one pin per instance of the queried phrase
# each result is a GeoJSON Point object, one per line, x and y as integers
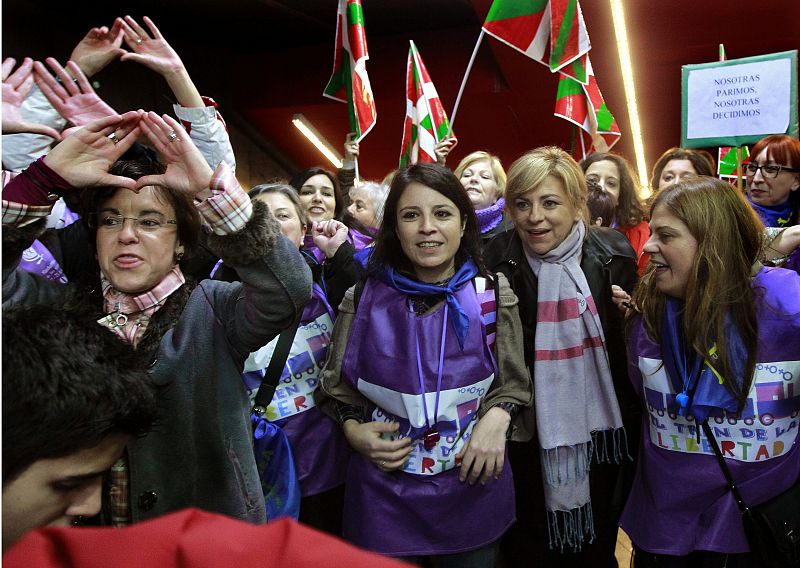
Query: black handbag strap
{"type": "Point", "coordinates": [724, 467]}
{"type": "Point", "coordinates": [274, 370]}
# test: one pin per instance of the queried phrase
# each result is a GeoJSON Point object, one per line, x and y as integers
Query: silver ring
{"type": "Point", "coordinates": [383, 463]}
{"type": "Point", "coordinates": [172, 135]}
{"type": "Point", "coordinates": [139, 41]}
{"type": "Point", "coordinates": [113, 137]}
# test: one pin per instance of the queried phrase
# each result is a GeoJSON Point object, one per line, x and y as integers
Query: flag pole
{"type": "Point", "coordinates": [739, 184]}
{"type": "Point", "coordinates": [464, 83]}
{"type": "Point", "coordinates": [355, 181]}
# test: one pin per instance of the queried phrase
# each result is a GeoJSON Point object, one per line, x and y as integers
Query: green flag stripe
{"type": "Point", "coordinates": [355, 16]}
{"type": "Point", "coordinates": [504, 9]}
{"type": "Point", "coordinates": [604, 118]}
{"type": "Point", "coordinates": [568, 86]}
{"type": "Point", "coordinates": [441, 132]}
{"type": "Point", "coordinates": [564, 33]}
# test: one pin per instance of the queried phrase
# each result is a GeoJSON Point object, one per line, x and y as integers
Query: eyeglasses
{"type": "Point", "coordinates": [111, 223]}
{"type": "Point", "coordinates": [770, 171]}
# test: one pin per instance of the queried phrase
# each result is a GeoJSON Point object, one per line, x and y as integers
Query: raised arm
{"type": "Point", "coordinates": [198, 114]}
{"type": "Point", "coordinates": [70, 93]}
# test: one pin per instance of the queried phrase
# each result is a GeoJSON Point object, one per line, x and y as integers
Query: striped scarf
{"type": "Point", "coordinates": [574, 390]}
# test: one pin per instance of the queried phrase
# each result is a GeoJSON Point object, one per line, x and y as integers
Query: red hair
{"type": "Point", "coordinates": [783, 149]}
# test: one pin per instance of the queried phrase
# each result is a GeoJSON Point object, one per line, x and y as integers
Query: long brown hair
{"type": "Point", "coordinates": [729, 235]}
{"type": "Point", "coordinates": [630, 211]}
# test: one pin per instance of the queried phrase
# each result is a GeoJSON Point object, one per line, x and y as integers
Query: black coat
{"type": "Point", "coordinates": [607, 258]}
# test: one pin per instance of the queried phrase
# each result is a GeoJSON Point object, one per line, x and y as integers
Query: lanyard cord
{"type": "Point", "coordinates": [439, 374]}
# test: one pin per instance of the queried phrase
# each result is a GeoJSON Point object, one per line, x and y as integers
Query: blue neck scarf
{"type": "Point", "coordinates": [405, 285]}
{"type": "Point", "coordinates": [773, 215]}
{"type": "Point", "coordinates": [700, 392]}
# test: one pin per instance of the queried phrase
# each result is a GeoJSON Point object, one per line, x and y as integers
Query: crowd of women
{"type": "Point", "coordinates": [484, 368]}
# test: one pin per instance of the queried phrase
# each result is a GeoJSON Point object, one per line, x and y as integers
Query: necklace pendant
{"type": "Point", "coordinates": [120, 320]}
{"type": "Point", "coordinates": [682, 398]}
{"type": "Point", "coordinates": [430, 438]}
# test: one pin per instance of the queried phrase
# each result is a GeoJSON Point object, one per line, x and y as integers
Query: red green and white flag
{"type": "Point", "coordinates": [583, 105]}
{"type": "Point", "coordinates": [426, 122]}
{"type": "Point", "coordinates": [726, 163]}
{"type": "Point", "coordinates": [535, 26]}
{"type": "Point", "coordinates": [349, 82]}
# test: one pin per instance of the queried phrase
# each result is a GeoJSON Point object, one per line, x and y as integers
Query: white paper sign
{"type": "Point", "coordinates": [739, 100]}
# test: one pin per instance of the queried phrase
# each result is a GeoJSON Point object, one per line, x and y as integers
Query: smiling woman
{"type": "Point", "coordinates": [428, 319]}
{"type": "Point", "coordinates": [562, 272]}
{"type": "Point", "coordinates": [713, 323]}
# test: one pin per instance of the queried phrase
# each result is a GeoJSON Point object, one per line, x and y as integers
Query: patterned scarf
{"type": "Point", "coordinates": [491, 216]}
{"type": "Point", "coordinates": [128, 315]}
{"type": "Point", "coordinates": [576, 408]}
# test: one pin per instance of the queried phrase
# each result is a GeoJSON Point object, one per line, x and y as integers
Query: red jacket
{"type": "Point", "coordinates": [190, 538]}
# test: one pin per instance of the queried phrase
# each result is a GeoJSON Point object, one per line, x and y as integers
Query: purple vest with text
{"type": "Point", "coordinates": [679, 501]}
{"type": "Point", "coordinates": [423, 509]}
{"type": "Point", "coordinates": [319, 447]}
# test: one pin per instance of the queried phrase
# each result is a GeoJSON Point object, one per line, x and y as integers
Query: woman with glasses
{"type": "Point", "coordinates": [143, 217]}
{"type": "Point", "coordinates": [773, 177]}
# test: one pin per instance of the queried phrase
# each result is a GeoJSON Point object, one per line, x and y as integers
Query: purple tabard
{"type": "Point", "coordinates": [423, 509]}
{"type": "Point", "coordinates": [37, 259]}
{"type": "Point", "coordinates": [319, 447]}
{"type": "Point", "coordinates": [679, 501]}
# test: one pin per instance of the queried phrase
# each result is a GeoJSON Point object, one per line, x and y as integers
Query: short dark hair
{"type": "Point", "coordinates": [68, 383]}
{"type": "Point", "coordinates": [189, 224]}
{"type": "Point", "coordinates": [600, 203]}
{"type": "Point", "coordinates": [387, 249]}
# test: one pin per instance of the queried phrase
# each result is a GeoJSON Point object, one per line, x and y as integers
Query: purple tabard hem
{"type": "Point", "coordinates": [320, 450]}
{"type": "Point", "coordinates": [408, 515]}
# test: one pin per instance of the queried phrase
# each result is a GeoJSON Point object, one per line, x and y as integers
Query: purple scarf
{"type": "Point", "coordinates": [700, 394]}
{"type": "Point", "coordinates": [773, 215]}
{"type": "Point", "coordinates": [491, 216]}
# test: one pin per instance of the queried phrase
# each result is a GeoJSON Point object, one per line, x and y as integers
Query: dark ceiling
{"type": "Point", "coordinates": [269, 59]}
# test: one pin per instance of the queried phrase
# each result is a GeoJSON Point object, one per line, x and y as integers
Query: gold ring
{"type": "Point", "coordinates": [139, 41]}
{"type": "Point", "coordinates": [172, 135]}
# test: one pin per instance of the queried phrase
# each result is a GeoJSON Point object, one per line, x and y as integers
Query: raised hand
{"type": "Point", "coordinates": [443, 149]}
{"type": "Point", "coordinates": [152, 50]}
{"type": "Point", "coordinates": [74, 99]}
{"type": "Point", "coordinates": [84, 158]}
{"type": "Point", "coordinates": [329, 235]}
{"type": "Point", "coordinates": [16, 87]}
{"type": "Point", "coordinates": [187, 170]}
{"type": "Point", "coordinates": [621, 298]}
{"type": "Point", "coordinates": [99, 47]}
{"type": "Point", "coordinates": [351, 149]}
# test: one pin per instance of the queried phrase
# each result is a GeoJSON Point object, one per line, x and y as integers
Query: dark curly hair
{"type": "Point", "coordinates": [68, 383]}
